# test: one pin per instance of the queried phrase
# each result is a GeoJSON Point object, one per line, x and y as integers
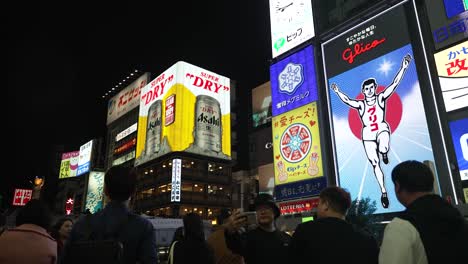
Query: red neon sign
{"type": "Point", "coordinates": [69, 206]}
{"type": "Point", "coordinates": [298, 206]}
{"type": "Point", "coordinates": [22, 197]}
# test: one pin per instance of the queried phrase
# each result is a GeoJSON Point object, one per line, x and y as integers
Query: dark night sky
{"type": "Point", "coordinates": [63, 57]}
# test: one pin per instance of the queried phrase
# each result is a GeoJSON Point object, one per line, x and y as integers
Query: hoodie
{"type": "Point", "coordinates": [439, 226]}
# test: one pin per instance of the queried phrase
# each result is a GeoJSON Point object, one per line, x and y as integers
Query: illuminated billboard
{"type": "Point", "coordinates": [261, 104]}
{"type": "Point", "coordinates": [296, 145]}
{"type": "Point", "coordinates": [293, 81]}
{"type": "Point", "coordinates": [95, 191]}
{"type": "Point", "coordinates": [459, 131]}
{"type": "Point", "coordinates": [84, 160]}
{"type": "Point", "coordinates": [376, 109]}
{"type": "Point", "coordinates": [448, 20]}
{"type": "Point", "coordinates": [291, 24]}
{"type": "Point", "coordinates": [452, 68]}
{"type": "Point", "coordinates": [126, 132]}
{"type": "Point", "coordinates": [21, 197]}
{"type": "Point", "coordinates": [126, 100]}
{"type": "Point", "coordinates": [69, 164]}
{"type": "Point", "coordinates": [186, 108]}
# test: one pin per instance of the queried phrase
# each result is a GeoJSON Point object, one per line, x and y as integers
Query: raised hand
{"type": "Point", "coordinates": [282, 175]}
{"type": "Point", "coordinates": [313, 168]}
{"type": "Point", "coordinates": [406, 61]}
{"type": "Point", "coordinates": [235, 222]}
{"type": "Point", "coordinates": [334, 87]}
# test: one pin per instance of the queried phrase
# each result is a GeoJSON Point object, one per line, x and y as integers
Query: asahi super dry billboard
{"type": "Point", "coordinates": [186, 108]}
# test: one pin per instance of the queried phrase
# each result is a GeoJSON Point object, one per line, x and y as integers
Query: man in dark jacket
{"type": "Point", "coordinates": [330, 239]}
{"type": "Point", "coordinates": [430, 230]}
{"type": "Point", "coordinates": [136, 233]}
{"type": "Point", "coordinates": [264, 244]}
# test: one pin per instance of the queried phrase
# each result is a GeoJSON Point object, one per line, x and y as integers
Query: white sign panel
{"type": "Point", "coordinates": [124, 158]}
{"type": "Point", "coordinates": [126, 100]}
{"type": "Point", "coordinates": [291, 24]}
{"type": "Point", "coordinates": [452, 68]}
{"type": "Point", "coordinates": [176, 180]}
{"type": "Point", "coordinates": [85, 158]}
{"type": "Point", "coordinates": [126, 132]}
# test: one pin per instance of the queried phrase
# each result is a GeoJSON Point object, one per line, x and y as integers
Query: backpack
{"type": "Point", "coordinates": [97, 247]}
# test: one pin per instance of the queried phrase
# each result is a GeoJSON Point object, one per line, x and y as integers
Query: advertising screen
{"type": "Point", "coordinates": [261, 104]}
{"type": "Point", "coordinates": [376, 109]}
{"type": "Point", "coordinates": [448, 20]}
{"type": "Point", "coordinates": [95, 192]}
{"type": "Point", "coordinates": [452, 68]}
{"type": "Point", "coordinates": [69, 164]}
{"type": "Point", "coordinates": [84, 160]}
{"type": "Point", "coordinates": [296, 145]}
{"type": "Point", "coordinates": [293, 81]}
{"type": "Point", "coordinates": [201, 124]}
{"type": "Point", "coordinates": [459, 131]}
{"type": "Point", "coordinates": [126, 100]}
{"type": "Point", "coordinates": [291, 24]}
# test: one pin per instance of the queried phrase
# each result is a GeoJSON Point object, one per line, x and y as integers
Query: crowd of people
{"type": "Point", "coordinates": [430, 230]}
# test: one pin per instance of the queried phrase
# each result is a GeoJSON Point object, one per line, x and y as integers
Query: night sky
{"type": "Point", "coordinates": [62, 57]}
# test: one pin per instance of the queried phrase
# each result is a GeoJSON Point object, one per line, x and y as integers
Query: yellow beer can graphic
{"type": "Point", "coordinates": [186, 109]}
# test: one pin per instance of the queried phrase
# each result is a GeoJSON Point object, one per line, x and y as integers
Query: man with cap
{"type": "Point", "coordinates": [264, 244]}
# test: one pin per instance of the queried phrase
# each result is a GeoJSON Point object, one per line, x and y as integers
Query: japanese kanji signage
{"type": "Point", "coordinates": [69, 203]}
{"type": "Point", "coordinates": [295, 190]}
{"type": "Point", "coordinates": [293, 81]}
{"type": "Point", "coordinates": [376, 112]}
{"type": "Point", "coordinates": [69, 164]}
{"type": "Point", "coordinates": [452, 68]}
{"type": "Point", "coordinates": [176, 180]}
{"type": "Point", "coordinates": [449, 21]}
{"type": "Point", "coordinates": [21, 197]}
{"type": "Point", "coordinates": [296, 145]}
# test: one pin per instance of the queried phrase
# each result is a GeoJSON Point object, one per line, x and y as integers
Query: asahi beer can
{"type": "Point", "coordinates": [207, 132]}
{"type": "Point", "coordinates": [153, 128]}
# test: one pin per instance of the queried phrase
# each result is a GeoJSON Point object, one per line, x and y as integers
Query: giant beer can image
{"type": "Point", "coordinates": [154, 129]}
{"type": "Point", "coordinates": [207, 130]}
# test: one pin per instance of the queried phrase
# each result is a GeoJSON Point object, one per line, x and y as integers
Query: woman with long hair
{"type": "Point", "coordinates": [193, 247]}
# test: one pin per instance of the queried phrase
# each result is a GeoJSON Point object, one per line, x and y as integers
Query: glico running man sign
{"type": "Point", "coordinates": [376, 109]}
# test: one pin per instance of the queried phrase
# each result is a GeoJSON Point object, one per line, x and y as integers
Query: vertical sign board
{"type": "Point", "coordinates": [291, 24]}
{"type": "Point", "coordinates": [459, 131]}
{"type": "Point", "coordinates": [296, 142]}
{"type": "Point", "coordinates": [21, 197]}
{"type": "Point", "coordinates": [69, 164]}
{"type": "Point", "coordinates": [94, 194]}
{"type": "Point", "coordinates": [186, 108]}
{"type": "Point", "coordinates": [376, 109]}
{"type": "Point", "coordinates": [84, 160]}
{"type": "Point", "coordinates": [448, 20]}
{"type": "Point", "coordinates": [176, 180]}
{"type": "Point", "coordinates": [452, 68]}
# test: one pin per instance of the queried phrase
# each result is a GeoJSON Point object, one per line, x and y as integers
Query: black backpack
{"type": "Point", "coordinates": [97, 247]}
